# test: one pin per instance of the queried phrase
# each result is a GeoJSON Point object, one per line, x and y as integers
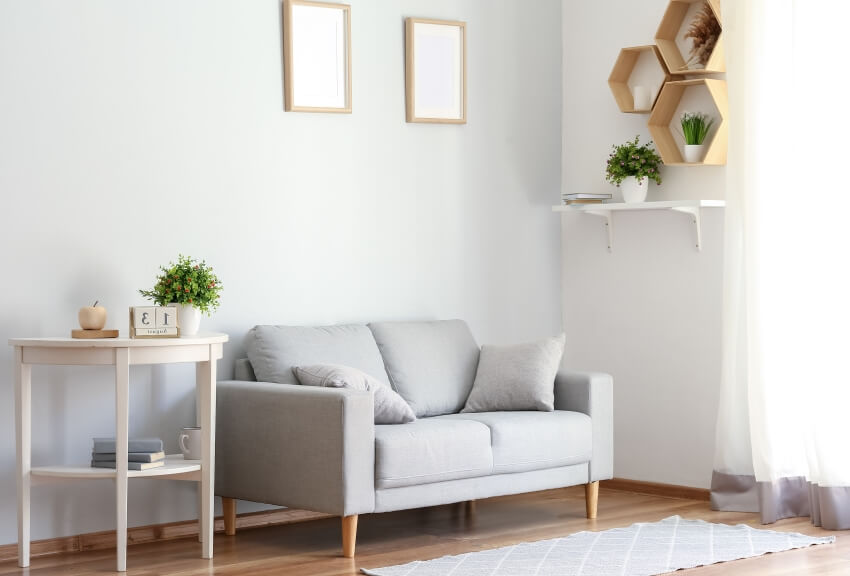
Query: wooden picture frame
{"type": "Point", "coordinates": [317, 56]}
{"type": "Point", "coordinates": [435, 71]}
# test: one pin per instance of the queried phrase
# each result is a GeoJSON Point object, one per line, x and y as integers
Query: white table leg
{"type": "Point", "coordinates": [122, 417]}
{"type": "Point", "coordinates": [199, 386]}
{"type": "Point", "coordinates": [207, 372]}
{"type": "Point", "coordinates": [23, 425]}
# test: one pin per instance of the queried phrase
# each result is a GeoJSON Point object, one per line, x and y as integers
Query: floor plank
{"type": "Point", "coordinates": [384, 539]}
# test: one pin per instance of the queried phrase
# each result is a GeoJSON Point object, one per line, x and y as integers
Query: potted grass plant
{"type": "Point", "coordinates": [631, 166]}
{"type": "Point", "coordinates": [192, 286]}
{"type": "Point", "coordinates": [695, 127]}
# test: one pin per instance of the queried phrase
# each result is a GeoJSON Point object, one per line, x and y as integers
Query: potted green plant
{"type": "Point", "coordinates": [192, 286]}
{"type": "Point", "coordinates": [695, 127]}
{"type": "Point", "coordinates": [631, 166]}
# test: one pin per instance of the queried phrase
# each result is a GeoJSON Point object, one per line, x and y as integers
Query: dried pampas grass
{"type": "Point", "coordinates": [704, 30]}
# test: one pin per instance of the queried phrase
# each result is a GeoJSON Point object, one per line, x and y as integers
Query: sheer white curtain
{"type": "Point", "coordinates": [783, 430]}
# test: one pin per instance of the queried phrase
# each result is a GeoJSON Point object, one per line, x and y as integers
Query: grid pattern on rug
{"type": "Point", "coordinates": [642, 549]}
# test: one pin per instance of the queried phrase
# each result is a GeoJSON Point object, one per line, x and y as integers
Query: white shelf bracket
{"type": "Point", "coordinates": [692, 208]}
{"type": "Point", "coordinates": [694, 213]}
{"type": "Point", "coordinates": [609, 225]}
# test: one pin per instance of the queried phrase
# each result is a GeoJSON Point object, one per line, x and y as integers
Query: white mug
{"type": "Point", "coordinates": [190, 443]}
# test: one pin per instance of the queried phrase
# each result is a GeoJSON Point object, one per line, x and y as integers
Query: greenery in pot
{"type": "Point", "coordinates": [190, 282]}
{"type": "Point", "coordinates": [695, 127]}
{"type": "Point", "coordinates": [632, 159]}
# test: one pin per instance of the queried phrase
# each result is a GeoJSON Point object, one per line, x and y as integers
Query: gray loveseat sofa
{"type": "Point", "coordinates": [318, 449]}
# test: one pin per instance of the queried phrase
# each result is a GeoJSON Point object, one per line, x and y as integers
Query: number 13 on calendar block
{"type": "Point", "coordinates": [154, 322]}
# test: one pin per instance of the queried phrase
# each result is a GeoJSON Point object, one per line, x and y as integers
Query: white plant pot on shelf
{"type": "Point", "coordinates": [694, 153]}
{"type": "Point", "coordinates": [189, 318]}
{"type": "Point", "coordinates": [634, 191]}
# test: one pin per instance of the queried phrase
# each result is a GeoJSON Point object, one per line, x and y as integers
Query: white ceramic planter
{"type": "Point", "coordinates": [633, 191]}
{"type": "Point", "coordinates": [189, 318]}
{"type": "Point", "coordinates": [694, 152]}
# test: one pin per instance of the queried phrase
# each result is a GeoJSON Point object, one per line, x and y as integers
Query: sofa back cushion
{"type": "Point", "coordinates": [274, 350]}
{"type": "Point", "coordinates": [431, 364]}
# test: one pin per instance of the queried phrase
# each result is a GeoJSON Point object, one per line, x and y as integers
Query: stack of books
{"type": "Point", "coordinates": [143, 453]}
{"type": "Point", "coordinates": [584, 198]}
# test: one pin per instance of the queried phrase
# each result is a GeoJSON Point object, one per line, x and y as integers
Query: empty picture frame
{"type": "Point", "coordinates": [435, 71]}
{"type": "Point", "coordinates": [317, 56]}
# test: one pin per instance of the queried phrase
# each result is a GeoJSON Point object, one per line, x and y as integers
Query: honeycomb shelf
{"type": "Point", "coordinates": [694, 95]}
{"type": "Point", "coordinates": [671, 44]}
{"type": "Point", "coordinates": [637, 66]}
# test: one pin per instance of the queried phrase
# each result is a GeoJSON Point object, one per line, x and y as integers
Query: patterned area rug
{"type": "Point", "coordinates": [642, 549]}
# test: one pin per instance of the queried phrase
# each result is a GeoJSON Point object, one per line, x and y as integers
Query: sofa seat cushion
{"type": "Point", "coordinates": [431, 450]}
{"type": "Point", "coordinates": [275, 350]}
{"type": "Point", "coordinates": [524, 441]}
{"type": "Point", "coordinates": [431, 364]}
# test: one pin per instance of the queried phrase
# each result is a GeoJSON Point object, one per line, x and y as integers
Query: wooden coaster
{"type": "Point", "coordinates": [94, 334]}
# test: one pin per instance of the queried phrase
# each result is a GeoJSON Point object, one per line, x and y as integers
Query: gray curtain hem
{"type": "Point", "coordinates": [828, 506]}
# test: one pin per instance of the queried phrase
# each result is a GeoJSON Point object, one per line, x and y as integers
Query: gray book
{"type": "Point", "coordinates": [131, 457]}
{"type": "Point", "coordinates": [107, 445]}
{"type": "Point", "coordinates": [130, 465]}
{"type": "Point", "coordinates": [585, 196]}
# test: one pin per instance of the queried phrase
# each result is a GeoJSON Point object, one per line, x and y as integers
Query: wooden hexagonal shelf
{"type": "Point", "coordinates": [705, 95]}
{"type": "Point", "coordinates": [671, 41]}
{"type": "Point", "coordinates": [641, 68]}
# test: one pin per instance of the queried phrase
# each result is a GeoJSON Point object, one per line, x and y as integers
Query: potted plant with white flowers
{"type": "Point", "coordinates": [631, 166]}
{"type": "Point", "coordinates": [695, 127]}
{"type": "Point", "coordinates": [192, 286]}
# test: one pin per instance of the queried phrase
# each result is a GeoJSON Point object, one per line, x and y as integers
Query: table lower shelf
{"type": "Point", "coordinates": [174, 465]}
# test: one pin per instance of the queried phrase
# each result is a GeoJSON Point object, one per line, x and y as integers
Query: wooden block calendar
{"type": "Point", "coordinates": [154, 322]}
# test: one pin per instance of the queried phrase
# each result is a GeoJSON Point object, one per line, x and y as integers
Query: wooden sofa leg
{"type": "Point", "coordinates": [591, 496]}
{"type": "Point", "coordinates": [349, 535]}
{"type": "Point", "coordinates": [228, 508]}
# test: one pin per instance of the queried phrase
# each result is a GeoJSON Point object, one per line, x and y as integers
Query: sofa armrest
{"type": "Point", "coordinates": [296, 446]}
{"type": "Point", "coordinates": [591, 393]}
{"type": "Point", "coordinates": [242, 370]}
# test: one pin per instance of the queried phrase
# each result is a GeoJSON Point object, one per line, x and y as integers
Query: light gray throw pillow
{"type": "Point", "coordinates": [390, 408]}
{"type": "Point", "coordinates": [520, 377]}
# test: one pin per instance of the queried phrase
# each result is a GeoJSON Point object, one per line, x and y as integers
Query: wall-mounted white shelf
{"type": "Point", "coordinates": [690, 207]}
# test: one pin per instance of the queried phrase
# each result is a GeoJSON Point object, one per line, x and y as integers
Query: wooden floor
{"type": "Point", "coordinates": [385, 539]}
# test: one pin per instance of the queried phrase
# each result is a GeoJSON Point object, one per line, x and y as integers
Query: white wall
{"type": "Point", "coordinates": [650, 312]}
{"type": "Point", "coordinates": [117, 116]}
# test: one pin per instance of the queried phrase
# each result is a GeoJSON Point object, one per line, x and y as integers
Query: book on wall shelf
{"type": "Point", "coordinates": [584, 198]}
